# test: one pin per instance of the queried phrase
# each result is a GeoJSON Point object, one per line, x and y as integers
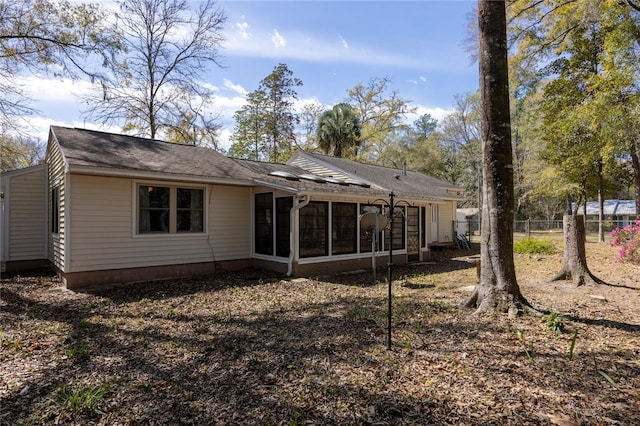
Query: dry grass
{"type": "Point", "coordinates": [252, 349]}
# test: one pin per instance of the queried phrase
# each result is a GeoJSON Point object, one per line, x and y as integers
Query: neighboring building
{"type": "Point", "coordinates": [111, 208]}
{"type": "Point", "coordinates": [618, 212]}
{"type": "Point", "coordinates": [467, 221]}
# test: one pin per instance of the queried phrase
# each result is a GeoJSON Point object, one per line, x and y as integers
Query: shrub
{"type": "Point", "coordinates": [533, 246]}
{"type": "Point", "coordinates": [628, 238]}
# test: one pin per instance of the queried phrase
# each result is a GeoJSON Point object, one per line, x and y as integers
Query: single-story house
{"type": "Point", "coordinates": [108, 208]}
{"type": "Point", "coordinates": [619, 212]}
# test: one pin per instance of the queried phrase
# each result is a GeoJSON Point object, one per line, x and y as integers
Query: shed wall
{"type": "Point", "coordinates": [27, 216]}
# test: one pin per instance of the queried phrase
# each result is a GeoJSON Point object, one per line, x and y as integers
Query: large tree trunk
{"type": "Point", "coordinates": [635, 162]}
{"type": "Point", "coordinates": [498, 288]}
{"type": "Point", "coordinates": [574, 259]}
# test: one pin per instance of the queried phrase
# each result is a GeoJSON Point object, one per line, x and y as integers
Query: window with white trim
{"type": "Point", "coordinates": [170, 209]}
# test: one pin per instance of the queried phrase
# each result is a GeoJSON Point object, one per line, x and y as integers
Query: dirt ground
{"type": "Point", "coordinates": [250, 348]}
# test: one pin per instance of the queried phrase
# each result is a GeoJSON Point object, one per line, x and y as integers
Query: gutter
{"type": "Point", "coordinates": [292, 233]}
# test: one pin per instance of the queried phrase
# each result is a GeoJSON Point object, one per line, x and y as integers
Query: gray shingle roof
{"type": "Point", "coordinates": [91, 148]}
{"type": "Point", "coordinates": [301, 185]}
{"type": "Point", "coordinates": [109, 151]}
{"type": "Point", "coordinates": [412, 184]}
{"type": "Point", "coordinates": [612, 208]}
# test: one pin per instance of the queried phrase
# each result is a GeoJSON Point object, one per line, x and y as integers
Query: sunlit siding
{"type": "Point", "coordinates": [56, 178]}
{"type": "Point", "coordinates": [230, 222]}
{"type": "Point", "coordinates": [27, 215]}
{"type": "Point", "coordinates": [445, 227]}
{"type": "Point", "coordinates": [104, 236]}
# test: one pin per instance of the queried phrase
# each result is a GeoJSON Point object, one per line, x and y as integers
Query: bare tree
{"type": "Point", "coordinates": [57, 37]}
{"type": "Point", "coordinates": [168, 48]}
{"type": "Point", "coordinates": [306, 135]}
{"type": "Point", "coordinates": [498, 288]}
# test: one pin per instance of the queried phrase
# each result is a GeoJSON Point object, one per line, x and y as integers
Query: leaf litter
{"type": "Point", "coordinates": [253, 348]}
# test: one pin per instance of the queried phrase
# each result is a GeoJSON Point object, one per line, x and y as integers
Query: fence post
{"type": "Point", "coordinates": [528, 226]}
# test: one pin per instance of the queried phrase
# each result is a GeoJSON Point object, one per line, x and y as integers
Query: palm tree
{"type": "Point", "coordinates": [339, 128]}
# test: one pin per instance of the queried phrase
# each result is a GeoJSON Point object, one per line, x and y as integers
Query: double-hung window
{"type": "Point", "coordinates": [170, 209]}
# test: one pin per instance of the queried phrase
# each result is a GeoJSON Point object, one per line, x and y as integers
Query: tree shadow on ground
{"type": "Point", "coordinates": [438, 263]}
{"type": "Point", "coordinates": [602, 322]}
{"type": "Point", "coordinates": [178, 287]}
{"type": "Point", "coordinates": [280, 353]}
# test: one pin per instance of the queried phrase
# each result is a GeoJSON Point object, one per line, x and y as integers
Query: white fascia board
{"type": "Point", "coordinates": [96, 171]}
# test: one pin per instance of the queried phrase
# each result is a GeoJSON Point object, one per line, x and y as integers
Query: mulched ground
{"type": "Point", "coordinates": [238, 349]}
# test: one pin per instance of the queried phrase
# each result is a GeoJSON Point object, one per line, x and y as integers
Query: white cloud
{"type": "Point", "coordinates": [344, 42]}
{"type": "Point", "coordinates": [242, 29]}
{"type": "Point", "coordinates": [48, 89]}
{"type": "Point", "coordinates": [438, 113]}
{"type": "Point", "coordinates": [420, 79]}
{"type": "Point", "coordinates": [302, 46]}
{"type": "Point", "coordinates": [234, 87]}
{"type": "Point", "coordinates": [224, 138]}
{"type": "Point", "coordinates": [278, 40]}
{"type": "Point", "coordinates": [38, 127]}
{"type": "Point", "coordinates": [228, 104]}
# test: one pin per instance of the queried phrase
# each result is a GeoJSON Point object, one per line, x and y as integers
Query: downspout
{"type": "Point", "coordinates": [292, 233]}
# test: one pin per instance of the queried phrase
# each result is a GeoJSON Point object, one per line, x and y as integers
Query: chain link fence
{"type": "Point", "coordinates": [471, 228]}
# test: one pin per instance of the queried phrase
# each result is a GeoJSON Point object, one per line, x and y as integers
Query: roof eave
{"type": "Point", "coordinates": [139, 174]}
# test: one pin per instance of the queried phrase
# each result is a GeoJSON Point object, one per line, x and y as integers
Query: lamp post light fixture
{"type": "Point", "coordinates": [391, 204]}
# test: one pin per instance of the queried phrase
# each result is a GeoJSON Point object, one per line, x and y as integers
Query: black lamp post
{"type": "Point", "coordinates": [392, 206]}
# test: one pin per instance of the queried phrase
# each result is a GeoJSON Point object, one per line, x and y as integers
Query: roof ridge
{"type": "Point", "coordinates": [141, 138]}
{"type": "Point", "coordinates": [363, 164]}
{"type": "Point", "coordinates": [256, 161]}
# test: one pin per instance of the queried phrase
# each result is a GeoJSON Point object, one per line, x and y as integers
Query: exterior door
{"type": "Point", "coordinates": [413, 234]}
{"type": "Point", "coordinates": [435, 212]}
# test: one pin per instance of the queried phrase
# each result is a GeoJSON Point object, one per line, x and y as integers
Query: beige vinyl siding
{"type": "Point", "coordinates": [56, 178]}
{"type": "Point", "coordinates": [104, 233]}
{"type": "Point", "coordinates": [445, 226]}
{"type": "Point", "coordinates": [27, 215]}
{"type": "Point", "coordinates": [230, 222]}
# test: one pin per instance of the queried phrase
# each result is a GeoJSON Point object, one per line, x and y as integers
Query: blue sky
{"type": "Point", "coordinates": [330, 45]}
